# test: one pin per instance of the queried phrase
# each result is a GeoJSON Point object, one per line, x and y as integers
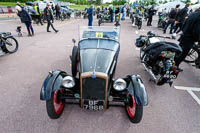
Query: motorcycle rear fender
{"type": "Point", "coordinates": [52, 82]}
{"type": "Point", "coordinates": [137, 89]}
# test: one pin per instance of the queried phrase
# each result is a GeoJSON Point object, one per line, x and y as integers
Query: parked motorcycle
{"type": "Point", "coordinates": [162, 20]}
{"type": "Point", "coordinates": [77, 14]}
{"type": "Point", "coordinates": [137, 18]}
{"type": "Point", "coordinates": [158, 57]}
{"type": "Point", "coordinates": [8, 43]}
{"type": "Point", "coordinates": [117, 19]}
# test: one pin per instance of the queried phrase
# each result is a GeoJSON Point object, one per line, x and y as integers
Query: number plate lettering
{"type": "Point", "coordinates": [93, 105]}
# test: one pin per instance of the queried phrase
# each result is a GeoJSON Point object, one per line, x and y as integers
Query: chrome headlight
{"type": "Point", "coordinates": [119, 84]}
{"type": "Point", "coordinates": [68, 82]}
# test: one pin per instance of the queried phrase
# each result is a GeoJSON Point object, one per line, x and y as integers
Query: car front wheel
{"type": "Point", "coordinates": [55, 106]}
{"type": "Point", "coordinates": [134, 110]}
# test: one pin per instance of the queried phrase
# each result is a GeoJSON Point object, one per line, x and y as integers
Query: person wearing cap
{"type": "Point", "coordinates": [26, 19]}
{"type": "Point", "coordinates": [48, 14]}
{"type": "Point", "coordinates": [90, 15]}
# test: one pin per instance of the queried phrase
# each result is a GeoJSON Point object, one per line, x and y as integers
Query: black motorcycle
{"type": "Point", "coordinates": [117, 19]}
{"type": "Point", "coordinates": [162, 20]}
{"type": "Point", "coordinates": [158, 58]}
{"type": "Point", "coordinates": [137, 18]}
{"type": "Point", "coordinates": [8, 43]}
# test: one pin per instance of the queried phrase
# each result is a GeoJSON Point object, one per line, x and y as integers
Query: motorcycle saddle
{"type": "Point", "coordinates": [155, 49]}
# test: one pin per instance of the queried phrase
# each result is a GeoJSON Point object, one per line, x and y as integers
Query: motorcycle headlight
{"type": "Point", "coordinates": [119, 84]}
{"type": "Point", "coordinates": [68, 82]}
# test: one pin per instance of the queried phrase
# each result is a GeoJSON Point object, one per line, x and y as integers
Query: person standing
{"type": "Point", "coordinates": [57, 8]}
{"type": "Point", "coordinates": [151, 12]}
{"type": "Point", "coordinates": [37, 13]}
{"type": "Point", "coordinates": [26, 19]}
{"type": "Point", "coordinates": [172, 16]}
{"type": "Point", "coordinates": [111, 14]}
{"type": "Point", "coordinates": [90, 15]}
{"type": "Point", "coordinates": [180, 18]}
{"type": "Point", "coordinates": [191, 34]}
{"type": "Point", "coordinates": [48, 14]}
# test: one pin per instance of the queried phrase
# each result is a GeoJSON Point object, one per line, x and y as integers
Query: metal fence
{"type": "Point", "coordinates": [6, 9]}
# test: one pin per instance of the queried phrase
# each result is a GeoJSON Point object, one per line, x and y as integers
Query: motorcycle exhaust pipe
{"type": "Point", "coordinates": [150, 72]}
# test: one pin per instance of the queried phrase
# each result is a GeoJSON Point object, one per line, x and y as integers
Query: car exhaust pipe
{"type": "Point", "coordinates": [150, 72]}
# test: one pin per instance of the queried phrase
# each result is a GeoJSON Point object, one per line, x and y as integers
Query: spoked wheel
{"type": "Point", "coordinates": [74, 61]}
{"type": "Point", "coordinates": [132, 19]}
{"type": "Point", "coordinates": [11, 45]}
{"type": "Point", "coordinates": [99, 22]}
{"type": "Point", "coordinates": [139, 25]}
{"type": "Point", "coordinates": [134, 111]}
{"type": "Point", "coordinates": [192, 55]}
{"type": "Point", "coordinates": [55, 106]}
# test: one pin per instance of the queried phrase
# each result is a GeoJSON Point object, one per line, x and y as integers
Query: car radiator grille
{"type": "Point", "coordinates": [93, 89]}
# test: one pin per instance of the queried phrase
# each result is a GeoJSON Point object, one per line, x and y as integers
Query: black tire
{"type": "Point", "coordinates": [50, 106]}
{"type": "Point", "coordinates": [137, 117]}
{"type": "Point", "coordinates": [139, 25]}
{"type": "Point", "coordinates": [74, 61]}
{"type": "Point", "coordinates": [132, 19]}
{"type": "Point", "coordinates": [191, 55]}
{"type": "Point", "coordinates": [99, 22]}
{"type": "Point", "coordinates": [9, 44]}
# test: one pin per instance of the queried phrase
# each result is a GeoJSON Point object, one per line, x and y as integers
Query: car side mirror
{"type": "Point", "coordinates": [74, 41]}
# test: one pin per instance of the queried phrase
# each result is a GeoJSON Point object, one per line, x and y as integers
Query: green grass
{"type": "Point", "coordinates": [8, 3]}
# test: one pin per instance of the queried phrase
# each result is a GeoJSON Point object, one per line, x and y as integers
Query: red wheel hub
{"type": "Point", "coordinates": [131, 108]}
{"type": "Point", "coordinates": [57, 104]}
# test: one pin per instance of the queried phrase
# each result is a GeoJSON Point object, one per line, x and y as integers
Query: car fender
{"type": "Point", "coordinates": [137, 89]}
{"type": "Point", "coordinates": [52, 82]}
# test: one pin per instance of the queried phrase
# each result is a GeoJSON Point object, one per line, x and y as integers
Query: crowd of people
{"type": "Point", "coordinates": [26, 16]}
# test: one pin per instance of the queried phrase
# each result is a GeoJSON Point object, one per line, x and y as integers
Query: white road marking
{"type": "Point", "coordinates": [187, 88]}
{"type": "Point", "coordinates": [190, 91]}
{"type": "Point", "coordinates": [194, 96]}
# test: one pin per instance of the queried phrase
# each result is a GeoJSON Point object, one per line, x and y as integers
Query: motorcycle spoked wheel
{"type": "Point", "coordinates": [139, 25]}
{"type": "Point", "coordinates": [11, 45]}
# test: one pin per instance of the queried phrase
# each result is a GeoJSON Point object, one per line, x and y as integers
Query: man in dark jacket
{"type": "Point", "coordinates": [180, 18]}
{"type": "Point", "coordinates": [151, 12]}
{"type": "Point", "coordinates": [26, 19]}
{"type": "Point", "coordinates": [48, 14]}
{"type": "Point", "coordinates": [57, 8]}
{"type": "Point", "coordinates": [191, 34]}
{"type": "Point", "coordinates": [172, 16]}
{"type": "Point", "coordinates": [90, 15]}
{"type": "Point", "coordinates": [111, 14]}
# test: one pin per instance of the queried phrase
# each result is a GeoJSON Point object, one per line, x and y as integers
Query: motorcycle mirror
{"type": "Point", "coordinates": [74, 41]}
{"type": "Point", "coordinates": [174, 36]}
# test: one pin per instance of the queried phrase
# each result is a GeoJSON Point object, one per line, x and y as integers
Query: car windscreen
{"type": "Point", "coordinates": [96, 60]}
{"type": "Point", "coordinates": [99, 43]}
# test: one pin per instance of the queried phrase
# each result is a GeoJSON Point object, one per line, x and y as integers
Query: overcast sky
{"type": "Point", "coordinates": [193, 1]}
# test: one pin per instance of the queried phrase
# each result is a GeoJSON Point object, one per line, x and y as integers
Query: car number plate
{"type": "Point", "coordinates": [93, 104]}
{"type": "Point", "coordinates": [170, 75]}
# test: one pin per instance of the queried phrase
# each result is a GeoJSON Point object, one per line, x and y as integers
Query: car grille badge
{"type": "Point", "coordinates": [93, 75]}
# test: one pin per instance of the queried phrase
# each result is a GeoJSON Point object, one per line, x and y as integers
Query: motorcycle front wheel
{"type": "Point", "coordinates": [11, 45]}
